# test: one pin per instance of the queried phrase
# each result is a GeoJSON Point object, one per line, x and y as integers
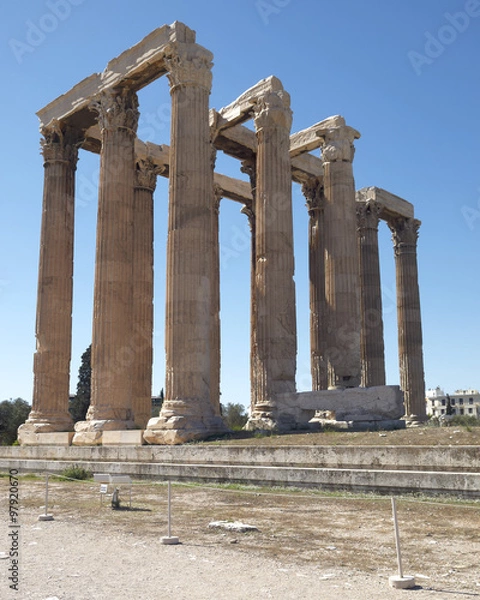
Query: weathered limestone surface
{"type": "Point", "coordinates": [142, 337]}
{"type": "Point", "coordinates": [391, 205]}
{"type": "Point", "coordinates": [112, 352]}
{"type": "Point", "coordinates": [373, 350]}
{"type": "Point", "coordinates": [133, 437]}
{"type": "Point", "coordinates": [314, 193]}
{"type": "Point", "coordinates": [342, 269]}
{"type": "Point", "coordinates": [274, 263]}
{"type": "Point", "coordinates": [58, 438]}
{"type": "Point", "coordinates": [380, 403]}
{"type": "Point", "coordinates": [410, 344]}
{"type": "Point", "coordinates": [54, 304]}
{"type": "Point", "coordinates": [188, 411]}
{"type": "Point", "coordinates": [135, 68]}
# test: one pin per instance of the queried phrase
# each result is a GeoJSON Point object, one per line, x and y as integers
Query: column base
{"type": "Point", "coordinates": [90, 433]}
{"type": "Point", "coordinates": [176, 425]}
{"type": "Point", "coordinates": [43, 424]}
{"type": "Point", "coordinates": [56, 438]}
{"type": "Point", "coordinates": [261, 424]}
{"type": "Point", "coordinates": [268, 417]}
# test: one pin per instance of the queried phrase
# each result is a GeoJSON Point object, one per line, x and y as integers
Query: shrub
{"type": "Point", "coordinates": [76, 472]}
{"type": "Point", "coordinates": [465, 420]}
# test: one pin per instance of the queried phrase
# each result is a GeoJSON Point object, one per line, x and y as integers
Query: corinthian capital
{"type": "Point", "coordinates": [248, 167]}
{"type": "Point", "coordinates": [313, 192]}
{"type": "Point", "coordinates": [338, 143]}
{"type": "Point", "coordinates": [189, 68]}
{"type": "Point", "coordinates": [146, 172]}
{"type": "Point", "coordinates": [273, 110]}
{"type": "Point", "coordinates": [368, 215]}
{"type": "Point", "coordinates": [116, 109]}
{"type": "Point", "coordinates": [404, 234]}
{"type": "Point", "coordinates": [59, 143]}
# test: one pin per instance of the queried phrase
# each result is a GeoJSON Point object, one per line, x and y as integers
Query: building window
{"type": "Point", "coordinates": [443, 411]}
{"type": "Point", "coordinates": [470, 411]}
{"type": "Point", "coordinates": [461, 411]}
{"type": "Point", "coordinates": [470, 400]}
{"type": "Point", "coordinates": [452, 401]}
{"type": "Point", "coordinates": [460, 400]}
{"type": "Point", "coordinates": [443, 401]}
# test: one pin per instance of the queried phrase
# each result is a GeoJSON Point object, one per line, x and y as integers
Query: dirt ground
{"type": "Point", "coordinates": [413, 436]}
{"type": "Point", "coordinates": [308, 544]}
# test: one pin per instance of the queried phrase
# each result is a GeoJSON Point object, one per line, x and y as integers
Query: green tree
{"type": "Point", "coordinates": [12, 414]}
{"type": "Point", "coordinates": [234, 415]}
{"type": "Point", "coordinates": [157, 402]}
{"type": "Point", "coordinates": [79, 404]}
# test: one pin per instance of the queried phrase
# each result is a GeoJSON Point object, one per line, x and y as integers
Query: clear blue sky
{"type": "Point", "coordinates": [404, 73]}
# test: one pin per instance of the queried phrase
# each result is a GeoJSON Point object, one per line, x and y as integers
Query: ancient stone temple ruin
{"type": "Point", "coordinates": [100, 114]}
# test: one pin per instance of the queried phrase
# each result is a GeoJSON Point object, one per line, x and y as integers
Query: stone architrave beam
{"type": "Point", "coordinates": [241, 109]}
{"type": "Point", "coordinates": [391, 206]}
{"type": "Point", "coordinates": [240, 142]}
{"type": "Point", "coordinates": [135, 68]}
{"type": "Point", "coordinates": [234, 189]}
{"type": "Point", "coordinates": [311, 138]}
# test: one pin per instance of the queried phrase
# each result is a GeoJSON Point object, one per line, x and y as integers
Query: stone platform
{"type": "Point", "coordinates": [382, 469]}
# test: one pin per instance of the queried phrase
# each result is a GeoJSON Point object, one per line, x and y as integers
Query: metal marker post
{"type": "Point", "coordinates": [399, 581]}
{"type": "Point", "coordinates": [46, 516]}
{"type": "Point", "coordinates": [170, 539]}
{"type": "Point", "coordinates": [397, 538]}
{"type": "Point", "coordinates": [169, 510]}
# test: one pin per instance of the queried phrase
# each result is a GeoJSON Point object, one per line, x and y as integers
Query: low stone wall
{"type": "Point", "coordinates": [355, 405]}
{"type": "Point", "coordinates": [384, 469]}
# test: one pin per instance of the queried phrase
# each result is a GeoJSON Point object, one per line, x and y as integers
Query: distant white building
{"type": "Point", "coordinates": [463, 402]}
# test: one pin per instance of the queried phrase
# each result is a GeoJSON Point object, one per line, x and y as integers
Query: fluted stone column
{"type": "Point", "coordinates": [342, 277]}
{"type": "Point", "coordinates": [216, 332]}
{"type": "Point", "coordinates": [274, 269]}
{"type": "Point", "coordinates": [54, 301]}
{"type": "Point", "coordinates": [248, 167]}
{"type": "Point", "coordinates": [313, 192]}
{"type": "Point", "coordinates": [188, 411]}
{"type": "Point", "coordinates": [373, 347]}
{"type": "Point", "coordinates": [113, 355]}
{"type": "Point", "coordinates": [142, 339]}
{"type": "Point", "coordinates": [410, 344]}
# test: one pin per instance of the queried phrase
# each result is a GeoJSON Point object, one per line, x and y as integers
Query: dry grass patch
{"type": "Point", "coordinates": [416, 436]}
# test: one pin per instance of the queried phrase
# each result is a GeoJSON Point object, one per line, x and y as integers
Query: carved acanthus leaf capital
{"type": "Point", "coordinates": [368, 215]}
{"type": "Point", "coordinates": [338, 144]}
{"type": "Point", "coordinates": [146, 172]}
{"type": "Point", "coordinates": [404, 234]}
{"type": "Point", "coordinates": [60, 143]}
{"type": "Point", "coordinates": [249, 168]}
{"type": "Point", "coordinates": [313, 192]}
{"type": "Point", "coordinates": [189, 68]}
{"type": "Point", "coordinates": [116, 109]}
{"type": "Point", "coordinates": [218, 194]}
{"type": "Point", "coordinates": [273, 110]}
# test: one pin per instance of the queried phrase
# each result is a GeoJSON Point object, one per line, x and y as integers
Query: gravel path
{"type": "Point", "coordinates": [67, 559]}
